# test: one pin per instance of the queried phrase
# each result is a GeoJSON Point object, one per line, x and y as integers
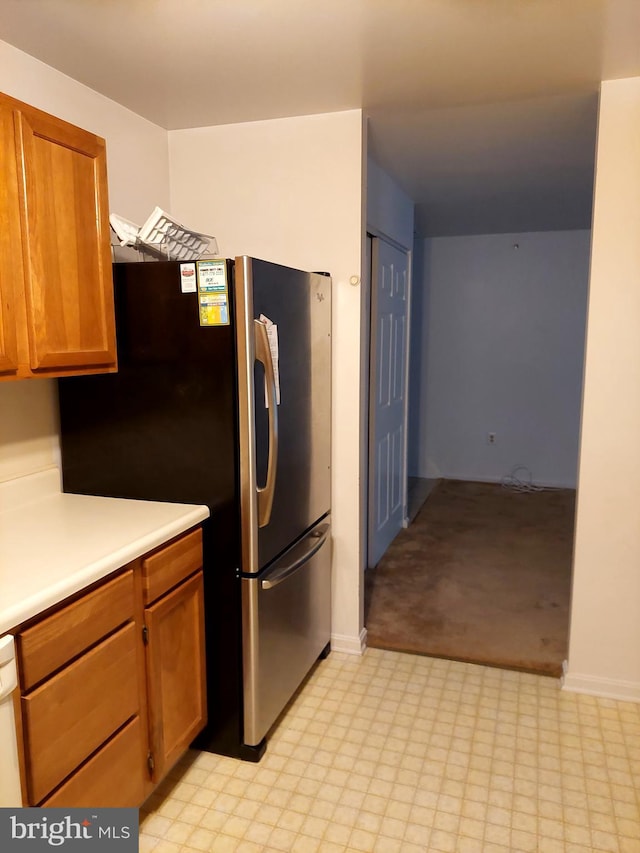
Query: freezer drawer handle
{"type": "Point", "coordinates": [263, 355]}
{"type": "Point", "coordinates": [313, 543]}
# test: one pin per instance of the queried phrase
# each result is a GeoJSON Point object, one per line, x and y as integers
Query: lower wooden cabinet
{"type": "Point", "coordinates": [113, 683]}
{"type": "Point", "coordinates": [175, 672]}
{"type": "Point", "coordinates": [114, 776]}
{"type": "Point", "coordinates": [50, 643]}
{"type": "Point", "coordinates": [72, 714]}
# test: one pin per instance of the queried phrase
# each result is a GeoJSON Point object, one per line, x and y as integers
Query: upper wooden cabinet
{"type": "Point", "coordinates": [56, 288]}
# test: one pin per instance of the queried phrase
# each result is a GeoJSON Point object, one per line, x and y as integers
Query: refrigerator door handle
{"type": "Point", "coordinates": [263, 355]}
{"type": "Point", "coordinates": [312, 544]}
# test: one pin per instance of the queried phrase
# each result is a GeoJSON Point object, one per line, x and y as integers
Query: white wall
{"type": "Point", "coordinates": [138, 170]}
{"type": "Point", "coordinates": [500, 336]}
{"type": "Point", "coordinates": [137, 153]}
{"type": "Point", "coordinates": [604, 647]}
{"type": "Point", "coordinates": [389, 208]}
{"type": "Point", "coordinates": [290, 191]}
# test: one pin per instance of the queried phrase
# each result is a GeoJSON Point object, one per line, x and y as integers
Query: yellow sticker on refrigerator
{"type": "Point", "coordinates": [213, 293]}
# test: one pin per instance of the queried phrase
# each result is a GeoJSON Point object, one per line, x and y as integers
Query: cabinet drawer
{"type": "Point", "coordinates": [168, 566]}
{"type": "Point", "coordinates": [73, 713]}
{"type": "Point", "coordinates": [57, 639]}
{"type": "Point", "coordinates": [113, 777]}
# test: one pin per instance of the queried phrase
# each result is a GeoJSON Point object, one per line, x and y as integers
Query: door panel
{"type": "Point", "coordinates": [176, 672]}
{"type": "Point", "coordinates": [382, 490]}
{"type": "Point", "coordinates": [69, 288]}
{"type": "Point", "coordinates": [388, 389]}
{"type": "Point", "coordinates": [299, 304]}
{"type": "Point", "coordinates": [286, 624]}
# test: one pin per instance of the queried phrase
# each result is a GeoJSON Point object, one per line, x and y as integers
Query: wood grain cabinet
{"type": "Point", "coordinates": [113, 683]}
{"type": "Point", "coordinates": [174, 622]}
{"type": "Point", "coordinates": [56, 289]}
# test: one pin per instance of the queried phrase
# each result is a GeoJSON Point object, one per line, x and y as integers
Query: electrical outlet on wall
{"type": "Point", "coordinates": [491, 438]}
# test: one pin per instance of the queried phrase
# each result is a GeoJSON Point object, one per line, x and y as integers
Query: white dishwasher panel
{"type": "Point", "coordinates": [10, 792]}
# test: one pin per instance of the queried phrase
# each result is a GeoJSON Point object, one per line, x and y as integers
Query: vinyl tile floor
{"type": "Point", "coordinates": [397, 753]}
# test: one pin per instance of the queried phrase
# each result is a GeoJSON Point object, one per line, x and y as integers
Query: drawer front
{"type": "Point", "coordinates": [284, 619]}
{"type": "Point", "coordinates": [113, 777]}
{"type": "Point", "coordinates": [167, 567]}
{"type": "Point", "coordinates": [57, 639]}
{"type": "Point", "coordinates": [72, 714]}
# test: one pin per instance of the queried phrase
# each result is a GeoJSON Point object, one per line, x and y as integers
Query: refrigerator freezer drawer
{"type": "Point", "coordinates": [286, 624]}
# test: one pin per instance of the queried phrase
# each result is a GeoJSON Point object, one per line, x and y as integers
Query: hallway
{"type": "Point", "coordinates": [482, 575]}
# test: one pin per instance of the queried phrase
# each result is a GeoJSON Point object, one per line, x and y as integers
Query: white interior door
{"type": "Point", "coordinates": [387, 392]}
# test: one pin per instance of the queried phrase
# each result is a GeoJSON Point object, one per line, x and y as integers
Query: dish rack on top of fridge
{"type": "Point", "coordinates": [163, 237]}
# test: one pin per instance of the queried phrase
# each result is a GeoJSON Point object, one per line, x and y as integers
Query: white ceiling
{"type": "Point", "coordinates": [483, 110]}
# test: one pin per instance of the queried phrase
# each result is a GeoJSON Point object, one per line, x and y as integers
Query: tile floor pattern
{"type": "Point", "coordinates": [396, 753]}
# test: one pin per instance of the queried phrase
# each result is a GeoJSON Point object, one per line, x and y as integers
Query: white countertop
{"type": "Point", "coordinates": [53, 544]}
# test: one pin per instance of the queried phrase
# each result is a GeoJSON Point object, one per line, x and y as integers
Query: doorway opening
{"type": "Point", "coordinates": [484, 571]}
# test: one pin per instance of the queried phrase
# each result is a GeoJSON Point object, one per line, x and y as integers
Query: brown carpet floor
{"type": "Point", "coordinates": [482, 575]}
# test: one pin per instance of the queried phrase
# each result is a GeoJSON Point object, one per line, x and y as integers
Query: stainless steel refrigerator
{"type": "Point", "coordinates": [223, 397]}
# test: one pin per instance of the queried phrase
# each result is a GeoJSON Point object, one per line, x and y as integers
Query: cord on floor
{"type": "Point", "coordinates": [520, 479]}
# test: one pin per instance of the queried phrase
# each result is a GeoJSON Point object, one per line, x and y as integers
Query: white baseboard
{"type": "Point", "coordinates": [348, 644]}
{"type": "Point", "coordinates": [607, 688]}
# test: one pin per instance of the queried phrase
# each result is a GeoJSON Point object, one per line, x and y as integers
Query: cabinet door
{"type": "Point", "coordinates": [66, 252]}
{"type": "Point", "coordinates": [176, 672]}
{"type": "Point", "coordinates": [10, 246]}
